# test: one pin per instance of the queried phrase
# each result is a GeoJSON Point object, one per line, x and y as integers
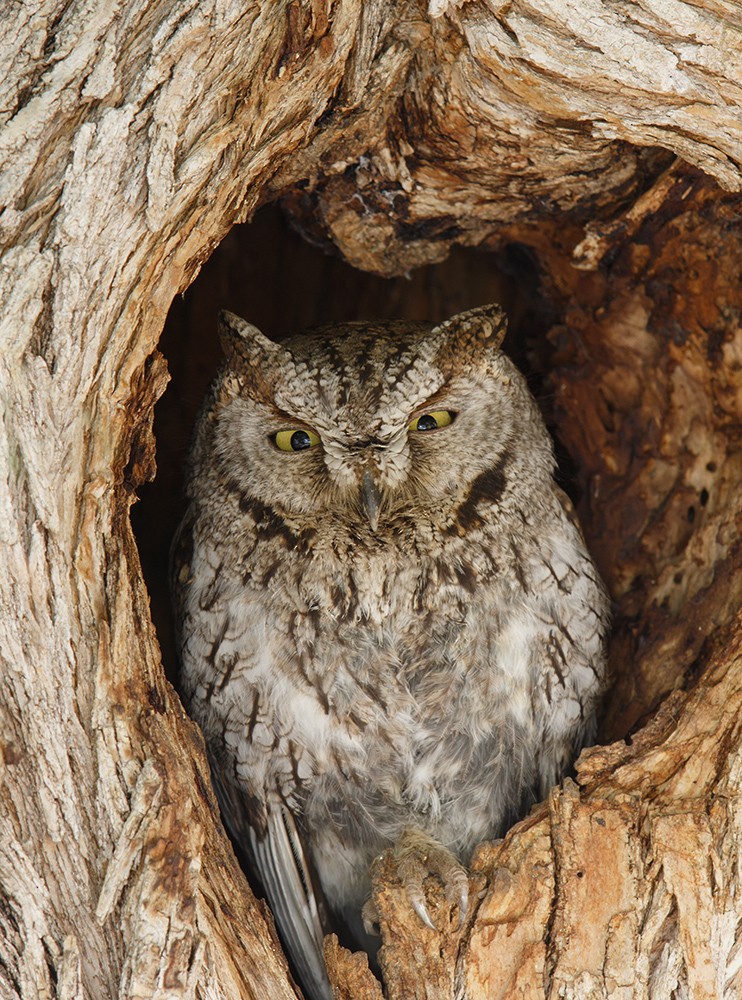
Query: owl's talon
{"type": "Point", "coordinates": [418, 856]}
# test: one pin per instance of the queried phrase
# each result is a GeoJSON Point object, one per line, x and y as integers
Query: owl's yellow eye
{"type": "Point", "coordinates": [295, 440]}
{"type": "Point", "coordinates": [432, 421]}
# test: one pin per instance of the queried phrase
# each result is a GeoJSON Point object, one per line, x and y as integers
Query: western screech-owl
{"type": "Point", "coordinates": [390, 629]}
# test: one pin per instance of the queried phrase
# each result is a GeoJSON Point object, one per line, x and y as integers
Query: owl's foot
{"type": "Point", "coordinates": [417, 856]}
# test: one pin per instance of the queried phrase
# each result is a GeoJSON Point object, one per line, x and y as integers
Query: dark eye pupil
{"type": "Point", "coordinates": [427, 423]}
{"type": "Point", "coordinates": [300, 441]}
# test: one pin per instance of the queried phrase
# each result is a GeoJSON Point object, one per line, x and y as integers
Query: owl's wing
{"type": "Point", "coordinates": [280, 862]}
{"type": "Point", "coordinates": [570, 651]}
{"type": "Point", "coordinates": [268, 835]}
{"type": "Point", "coordinates": [279, 859]}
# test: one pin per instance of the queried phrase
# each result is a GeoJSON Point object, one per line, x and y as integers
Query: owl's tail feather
{"type": "Point", "coordinates": [283, 870]}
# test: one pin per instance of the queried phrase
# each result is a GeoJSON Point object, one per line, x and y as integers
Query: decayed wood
{"type": "Point", "coordinates": [350, 972]}
{"type": "Point", "coordinates": [133, 136]}
{"type": "Point", "coordinates": [648, 378]}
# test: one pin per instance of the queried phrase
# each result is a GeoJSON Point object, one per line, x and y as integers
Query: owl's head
{"type": "Point", "coordinates": [373, 423]}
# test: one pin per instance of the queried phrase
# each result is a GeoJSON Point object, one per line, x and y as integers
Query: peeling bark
{"type": "Point", "coordinates": [133, 137]}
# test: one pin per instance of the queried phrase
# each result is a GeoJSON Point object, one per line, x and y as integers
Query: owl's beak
{"type": "Point", "coordinates": [370, 499]}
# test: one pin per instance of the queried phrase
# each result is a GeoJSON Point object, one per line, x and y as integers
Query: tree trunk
{"type": "Point", "coordinates": [134, 136]}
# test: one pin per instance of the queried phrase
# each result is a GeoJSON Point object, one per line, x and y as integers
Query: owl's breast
{"type": "Point", "coordinates": [430, 669]}
{"type": "Point", "coordinates": [420, 726]}
{"type": "Point", "coordinates": [390, 635]}
{"type": "Point", "coordinates": [400, 660]}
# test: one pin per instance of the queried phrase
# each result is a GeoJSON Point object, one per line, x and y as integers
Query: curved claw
{"type": "Point", "coordinates": [462, 901]}
{"type": "Point", "coordinates": [463, 905]}
{"type": "Point", "coordinates": [457, 892]}
{"type": "Point", "coordinates": [418, 905]}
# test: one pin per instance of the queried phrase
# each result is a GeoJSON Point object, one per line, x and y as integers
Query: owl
{"type": "Point", "coordinates": [389, 627]}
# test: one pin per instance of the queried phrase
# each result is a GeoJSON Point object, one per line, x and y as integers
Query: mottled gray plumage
{"type": "Point", "coordinates": [394, 634]}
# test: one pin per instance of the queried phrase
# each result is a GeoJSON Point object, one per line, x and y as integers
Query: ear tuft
{"type": "Point", "coordinates": [243, 344]}
{"type": "Point", "coordinates": [484, 326]}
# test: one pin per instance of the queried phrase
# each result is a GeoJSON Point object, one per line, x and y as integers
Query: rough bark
{"type": "Point", "coordinates": [133, 136]}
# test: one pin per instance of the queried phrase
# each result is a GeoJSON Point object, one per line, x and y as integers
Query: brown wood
{"type": "Point", "coordinates": [133, 137]}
